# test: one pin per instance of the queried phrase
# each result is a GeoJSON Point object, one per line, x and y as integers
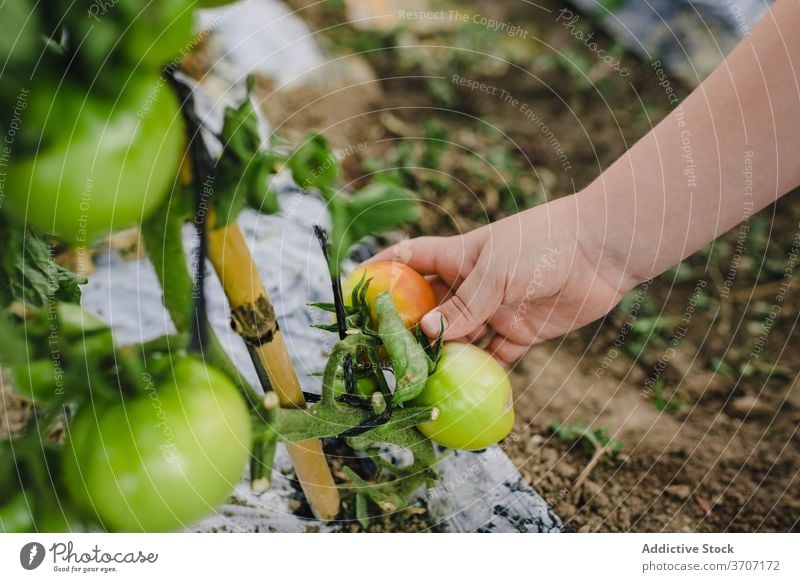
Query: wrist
{"type": "Point", "coordinates": [602, 243]}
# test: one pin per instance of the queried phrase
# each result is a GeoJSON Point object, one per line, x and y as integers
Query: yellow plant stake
{"type": "Point", "coordinates": [253, 318]}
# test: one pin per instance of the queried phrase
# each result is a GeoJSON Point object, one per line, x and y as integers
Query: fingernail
{"type": "Point", "coordinates": [432, 323]}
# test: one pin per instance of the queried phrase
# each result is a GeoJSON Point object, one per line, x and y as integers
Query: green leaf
{"type": "Point", "coordinates": [28, 273]}
{"type": "Point", "coordinates": [37, 380]}
{"type": "Point", "coordinates": [433, 351]}
{"type": "Point", "coordinates": [324, 306]}
{"type": "Point", "coordinates": [664, 402]}
{"type": "Point", "coordinates": [314, 165]}
{"type": "Point", "coordinates": [359, 308]}
{"type": "Point", "coordinates": [592, 440]}
{"type": "Point", "coordinates": [13, 345]}
{"type": "Point", "coordinates": [408, 359]}
{"type": "Point", "coordinates": [362, 512]}
{"type": "Point", "coordinates": [331, 327]}
{"type": "Point", "coordinates": [380, 207]}
{"type": "Point", "coordinates": [241, 173]}
{"type": "Point", "coordinates": [260, 196]}
{"type": "Point", "coordinates": [615, 446]}
{"type": "Point", "coordinates": [240, 126]}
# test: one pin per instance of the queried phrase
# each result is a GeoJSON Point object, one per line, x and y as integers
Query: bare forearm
{"type": "Point", "coordinates": [728, 150]}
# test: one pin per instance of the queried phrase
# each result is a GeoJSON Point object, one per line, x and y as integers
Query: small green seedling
{"type": "Point", "coordinates": [591, 440]}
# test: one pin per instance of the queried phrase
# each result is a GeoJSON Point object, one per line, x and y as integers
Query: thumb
{"type": "Point", "coordinates": [474, 302]}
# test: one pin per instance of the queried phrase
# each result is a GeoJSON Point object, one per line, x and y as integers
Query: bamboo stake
{"type": "Point", "coordinates": [253, 317]}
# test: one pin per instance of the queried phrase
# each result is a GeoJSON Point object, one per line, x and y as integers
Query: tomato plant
{"type": "Point", "coordinates": [473, 395]}
{"type": "Point", "coordinates": [411, 293]}
{"type": "Point", "coordinates": [164, 459]}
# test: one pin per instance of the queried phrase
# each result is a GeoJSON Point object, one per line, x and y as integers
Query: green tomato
{"type": "Point", "coordinates": [161, 460]}
{"type": "Point", "coordinates": [21, 36]}
{"type": "Point", "coordinates": [16, 515]}
{"type": "Point", "coordinates": [146, 35]}
{"type": "Point", "coordinates": [158, 31]}
{"type": "Point", "coordinates": [472, 393]}
{"type": "Point", "coordinates": [364, 386]}
{"type": "Point", "coordinates": [102, 164]}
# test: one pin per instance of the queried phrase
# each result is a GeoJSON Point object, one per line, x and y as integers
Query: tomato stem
{"type": "Point", "coordinates": [338, 302]}
{"type": "Point", "coordinates": [200, 160]}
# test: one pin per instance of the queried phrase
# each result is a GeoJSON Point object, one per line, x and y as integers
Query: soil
{"type": "Point", "coordinates": [715, 466]}
{"type": "Point", "coordinates": [716, 449]}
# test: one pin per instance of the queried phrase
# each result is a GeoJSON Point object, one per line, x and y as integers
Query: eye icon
{"type": "Point", "coordinates": [31, 555]}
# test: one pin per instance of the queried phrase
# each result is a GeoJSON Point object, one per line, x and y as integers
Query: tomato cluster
{"type": "Point", "coordinates": [148, 438]}
{"type": "Point", "coordinates": [469, 388]}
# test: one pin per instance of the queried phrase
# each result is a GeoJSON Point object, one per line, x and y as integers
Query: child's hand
{"type": "Point", "coordinates": [528, 278]}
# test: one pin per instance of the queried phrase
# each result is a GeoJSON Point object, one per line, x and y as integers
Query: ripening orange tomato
{"type": "Point", "coordinates": [412, 294]}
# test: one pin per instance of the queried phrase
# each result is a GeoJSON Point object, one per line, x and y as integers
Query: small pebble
{"type": "Point", "coordinates": [751, 406]}
{"type": "Point", "coordinates": [566, 470]}
{"type": "Point", "coordinates": [682, 492]}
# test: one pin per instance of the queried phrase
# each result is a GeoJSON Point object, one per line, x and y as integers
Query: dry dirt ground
{"type": "Point", "coordinates": [712, 467]}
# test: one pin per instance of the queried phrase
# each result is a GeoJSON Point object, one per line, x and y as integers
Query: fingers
{"type": "Point", "coordinates": [445, 257]}
{"type": "Point", "coordinates": [448, 263]}
{"type": "Point", "coordinates": [506, 350]}
{"type": "Point", "coordinates": [418, 253]}
{"type": "Point", "coordinates": [477, 334]}
{"type": "Point", "coordinates": [469, 308]}
{"type": "Point", "coordinates": [442, 290]}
